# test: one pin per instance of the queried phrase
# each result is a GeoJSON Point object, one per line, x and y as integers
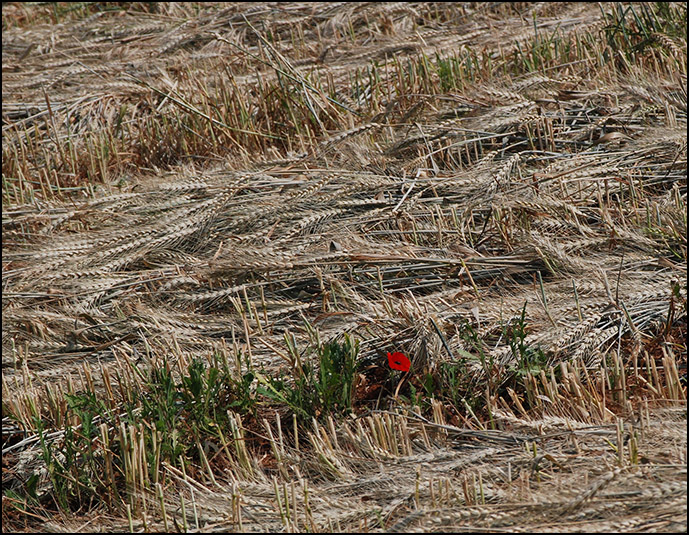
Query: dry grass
{"type": "Point", "coordinates": [200, 201]}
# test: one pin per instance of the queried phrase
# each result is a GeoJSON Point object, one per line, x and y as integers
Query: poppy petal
{"type": "Point", "coordinates": [398, 361]}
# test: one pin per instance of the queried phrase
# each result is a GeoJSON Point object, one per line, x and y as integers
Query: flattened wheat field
{"type": "Point", "coordinates": [223, 222]}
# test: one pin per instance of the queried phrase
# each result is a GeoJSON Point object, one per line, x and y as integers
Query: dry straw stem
{"type": "Point", "coordinates": [496, 190]}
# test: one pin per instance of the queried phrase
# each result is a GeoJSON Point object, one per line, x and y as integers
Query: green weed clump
{"type": "Point", "coordinates": [465, 384]}
{"type": "Point", "coordinates": [319, 386]}
{"type": "Point", "coordinates": [102, 452]}
{"type": "Point", "coordinates": [171, 417]}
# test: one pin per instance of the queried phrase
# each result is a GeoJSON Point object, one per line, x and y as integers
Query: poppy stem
{"type": "Point", "coordinates": [400, 384]}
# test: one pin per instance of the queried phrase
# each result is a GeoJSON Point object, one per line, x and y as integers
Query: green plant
{"type": "Point", "coordinates": [317, 389]}
{"type": "Point", "coordinates": [74, 469]}
{"type": "Point", "coordinates": [337, 373]}
{"type": "Point", "coordinates": [530, 360]}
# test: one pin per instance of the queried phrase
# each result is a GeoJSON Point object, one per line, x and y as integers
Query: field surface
{"type": "Point", "coordinates": [222, 223]}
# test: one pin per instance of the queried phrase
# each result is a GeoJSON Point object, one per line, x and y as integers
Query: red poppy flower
{"type": "Point", "coordinates": [398, 361]}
